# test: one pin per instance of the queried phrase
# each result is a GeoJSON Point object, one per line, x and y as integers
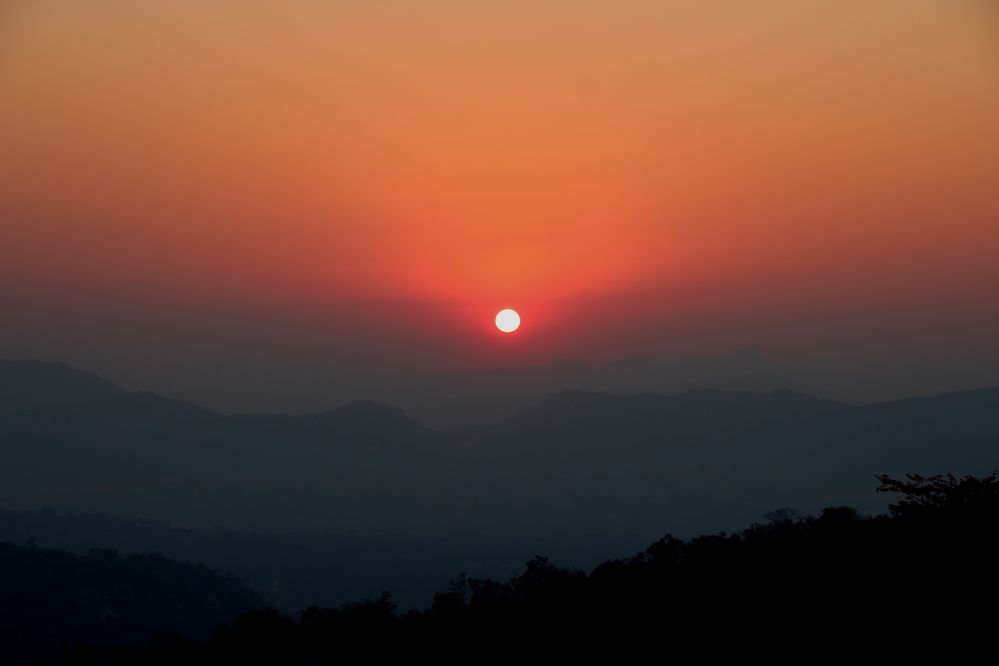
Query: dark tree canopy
{"type": "Point", "coordinates": [942, 494]}
{"type": "Point", "coordinates": [797, 587]}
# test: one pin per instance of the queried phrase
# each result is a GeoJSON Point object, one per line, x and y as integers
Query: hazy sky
{"type": "Point", "coordinates": [189, 184]}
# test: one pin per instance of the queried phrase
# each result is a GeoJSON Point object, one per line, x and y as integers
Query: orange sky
{"type": "Point", "coordinates": [636, 176]}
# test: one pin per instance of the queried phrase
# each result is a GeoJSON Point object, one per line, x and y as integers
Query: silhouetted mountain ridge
{"type": "Point", "coordinates": [490, 396]}
{"type": "Point", "coordinates": [576, 461]}
{"type": "Point", "coordinates": [28, 383]}
{"type": "Point", "coordinates": [446, 400]}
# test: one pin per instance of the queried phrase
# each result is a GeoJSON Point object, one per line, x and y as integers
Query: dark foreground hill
{"type": "Point", "coordinates": [576, 463]}
{"type": "Point", "coordinates": [919, 583]}
{"type": "Point", "coordinates": [300, 569]}
{"type": "Point", "coordinates": [50, 597]}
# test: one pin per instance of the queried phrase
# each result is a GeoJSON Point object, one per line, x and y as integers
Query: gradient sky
{"type": "Point", "coordinates": [193, 184]}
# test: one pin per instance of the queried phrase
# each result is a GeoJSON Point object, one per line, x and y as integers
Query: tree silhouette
{"type": "Point", "coordinates": [923, 495]}
{"type": "Point", "coordinates": [797, 587]}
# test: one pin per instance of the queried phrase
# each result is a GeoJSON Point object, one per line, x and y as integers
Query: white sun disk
{"type": "Point", "coordinates": [507, 320]}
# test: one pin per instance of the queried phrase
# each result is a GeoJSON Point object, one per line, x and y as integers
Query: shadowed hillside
{"type": "Point", "coordinates": [300, 569]}
{"type": "Point", "coordinates": [916, 583]}
{"type": "Point", "coordinates": [51, 596]}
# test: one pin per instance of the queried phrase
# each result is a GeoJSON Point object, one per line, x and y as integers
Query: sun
{"type": "Point", "coordinates": [507, 320]}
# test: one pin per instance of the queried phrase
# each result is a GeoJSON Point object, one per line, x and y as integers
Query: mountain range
{"type": "Point", "coordinates": [575, 462]}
